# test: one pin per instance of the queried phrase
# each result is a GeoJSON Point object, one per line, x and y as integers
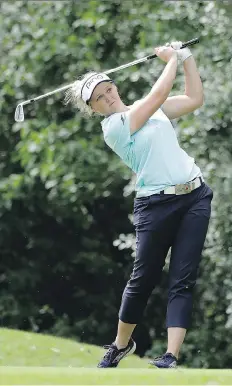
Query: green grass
{"type": "Point", "coordinates": [20, 348]}
{"type": "Point", "coordinates": [36, 359]}
{"type": "Point", "coordinates": [81, 376]}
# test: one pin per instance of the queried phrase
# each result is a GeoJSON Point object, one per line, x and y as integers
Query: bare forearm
{"type": "Point", "coordinates": [145, 108]}
{"type": "Point", "coordinates": [164, 84]}
{"type": "Point", "coordinates": [193, 83]}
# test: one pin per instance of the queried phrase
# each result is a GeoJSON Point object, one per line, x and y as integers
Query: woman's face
{"type": "Point", "coordinates": [105, 99]}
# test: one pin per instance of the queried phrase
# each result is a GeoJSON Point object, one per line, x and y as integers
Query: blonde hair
{"type": "Point", "coordinates": [73, 95]}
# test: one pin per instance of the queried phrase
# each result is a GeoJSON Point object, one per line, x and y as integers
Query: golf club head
{"type": "Point", "coordinates": [19, 114]}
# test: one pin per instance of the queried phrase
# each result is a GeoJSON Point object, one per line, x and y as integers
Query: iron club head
{"type": "Point", "coordinates": [19, 113]}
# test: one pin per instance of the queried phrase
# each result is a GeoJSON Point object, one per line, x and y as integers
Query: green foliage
{"type": "Point", "coordinates": [62, 204]}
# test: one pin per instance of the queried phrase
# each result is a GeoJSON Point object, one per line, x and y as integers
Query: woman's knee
{"type": "Point", "coordinates": [142, 283]}
{"type": "Point", "coordinates": [185, 286]}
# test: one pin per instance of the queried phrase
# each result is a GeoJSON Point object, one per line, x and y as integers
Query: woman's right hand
{"type": "Point", "coordinates": [165, 53]}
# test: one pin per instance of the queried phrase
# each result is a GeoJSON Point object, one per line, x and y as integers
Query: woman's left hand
{"type": "Point", "coordinates": [183, 53]}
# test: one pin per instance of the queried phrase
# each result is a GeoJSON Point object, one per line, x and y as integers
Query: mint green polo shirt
{"type": "Point", "coordinates": [152, 152]}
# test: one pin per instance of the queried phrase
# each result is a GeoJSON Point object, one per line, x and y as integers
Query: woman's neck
{"type": "Point", "coordinates": [121, 108]}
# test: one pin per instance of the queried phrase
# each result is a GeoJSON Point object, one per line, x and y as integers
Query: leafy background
{"type": "Point", "coordinates": [66, 237]}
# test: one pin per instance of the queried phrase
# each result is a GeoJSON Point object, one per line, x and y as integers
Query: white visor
{"type": "Point", "coordinates": [90, 84]}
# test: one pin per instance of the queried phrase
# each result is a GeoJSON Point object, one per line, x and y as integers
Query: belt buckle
{"type": "Point", "coordinates": [184, 188]}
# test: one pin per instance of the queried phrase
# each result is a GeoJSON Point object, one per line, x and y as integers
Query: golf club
{"type": "Point", "coordinates": [19, 113]}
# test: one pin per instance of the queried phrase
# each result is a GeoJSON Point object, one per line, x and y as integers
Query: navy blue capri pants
{"type": "Point", "coordinates": [163, 221]}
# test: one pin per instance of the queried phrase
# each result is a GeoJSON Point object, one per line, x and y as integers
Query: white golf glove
{"type": "Point", "coordinates": [182, 54]}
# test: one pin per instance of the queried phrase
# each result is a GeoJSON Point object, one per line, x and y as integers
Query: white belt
{"type": "Point", "coordinates": [184, 188]}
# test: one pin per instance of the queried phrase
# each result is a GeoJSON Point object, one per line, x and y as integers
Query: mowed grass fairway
{"type": "Point", "coordinates": [36, 359]}
{"type": "Point", "coordinates": [120, 376]}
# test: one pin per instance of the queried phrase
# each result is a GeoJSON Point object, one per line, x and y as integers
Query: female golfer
{"type": "Point", "coordinates": [172, 205]}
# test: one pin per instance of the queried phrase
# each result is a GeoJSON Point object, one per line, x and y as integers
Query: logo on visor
{"type": "Point", "coordinates": [88, 84]}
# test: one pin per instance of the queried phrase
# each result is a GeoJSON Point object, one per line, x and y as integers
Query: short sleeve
{"type": "Point", "coordinates": [116, 131]}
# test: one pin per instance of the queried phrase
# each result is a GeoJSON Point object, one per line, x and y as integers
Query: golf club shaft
{"type": "Point", "coordinates": [186, 44]}
{"type": "Point", "coordinates": [137, 61]}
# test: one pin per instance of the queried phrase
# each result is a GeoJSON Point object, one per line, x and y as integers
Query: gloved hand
{"type": "Point", "coordinates": [182, 54]}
